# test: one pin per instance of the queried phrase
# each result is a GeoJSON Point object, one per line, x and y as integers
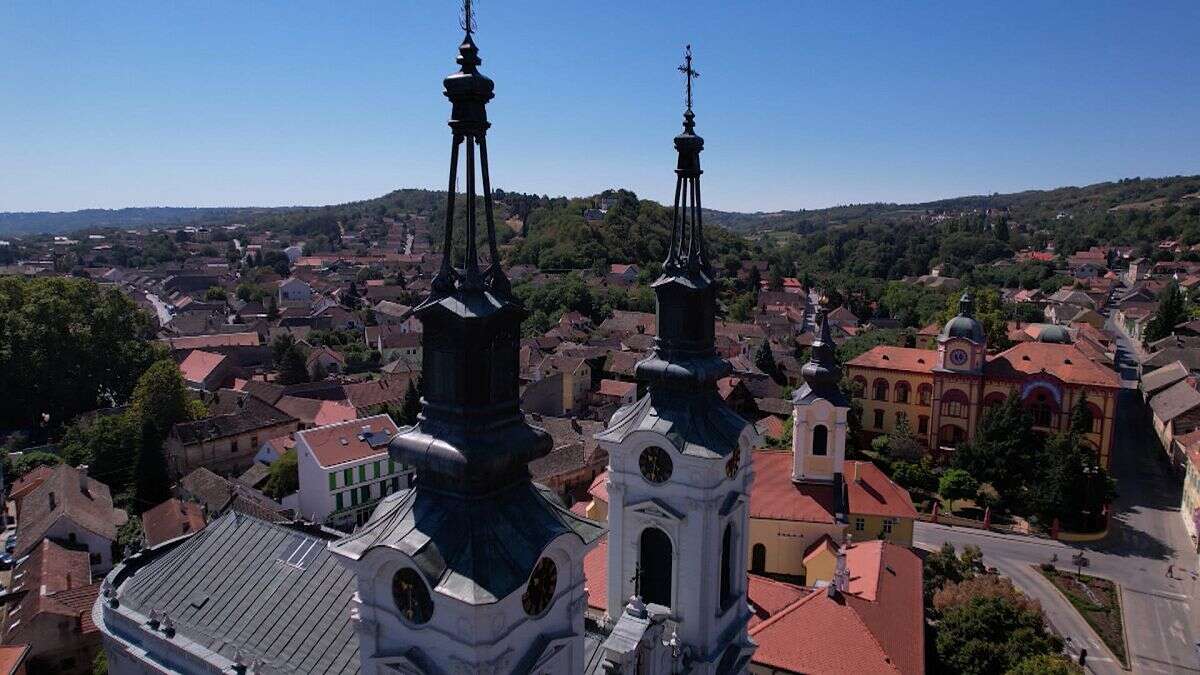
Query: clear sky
{"type": "Point", "coordinates": [227, 102]}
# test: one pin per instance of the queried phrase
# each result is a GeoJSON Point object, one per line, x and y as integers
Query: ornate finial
{"type": "Point", "coordinates": [690, 72]}
{"type": "Point", "coordinates": [466, 18]}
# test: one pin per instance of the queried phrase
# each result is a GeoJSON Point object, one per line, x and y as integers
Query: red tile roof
{"type": "Point", "coordinates": [595, 574]}
{"type": "Point", "coordinates": [340, 443]}
{"type": "Point", "coordinates": [907, 359]}
{"type": "Point", "coordinates": [199, 365]}
{"type": "Point", "coordinates": [616, 388]}
{"type": "Point", "coordinates": [171, 519]}
{"type": "Point", "coordinates": [774, 496]}
{"type": "Point", "coordinates": [599, 487]}
{"type": "Point", "coordinates": [249, 339]}
{"type": "Point", "coordinates": [1064, 361]}
{"type": "Point", "coordinates": [12, 657]}
{"type": "Point", "coordinates": [768, 597]}
{"type": "Point", "coordinates": [879, 622]}
{"type": "Point", "coordinates": [874, 494]}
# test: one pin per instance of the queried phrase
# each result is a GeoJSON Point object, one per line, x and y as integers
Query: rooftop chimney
{"type": "Point", "coordinates": [53, 502]}
{"type": "Point", "coordinates": [83, 478]}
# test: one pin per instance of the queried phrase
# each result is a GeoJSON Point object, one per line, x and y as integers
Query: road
{"type": "Point", "coordinates": [1145, 535]}
{"type": "Point", "coordinates": [161, 308]}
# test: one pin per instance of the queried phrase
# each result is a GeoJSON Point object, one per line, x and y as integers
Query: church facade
{"type": "Point", "coordinates": [942, 394]}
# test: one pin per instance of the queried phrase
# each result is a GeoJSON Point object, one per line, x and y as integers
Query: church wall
{"type": "Point", "coordinates": [872, 528]}
{"type": "Point", "coordinates": [786, 541]}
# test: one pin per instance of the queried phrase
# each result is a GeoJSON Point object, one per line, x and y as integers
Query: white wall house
{"type": "Point", "coordinates": [345, 470]}
{"type": "Point", "coordinates": [294, 292]}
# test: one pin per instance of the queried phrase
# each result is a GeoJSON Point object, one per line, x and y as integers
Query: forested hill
{"type": "Point", "coordinates": [33, 222]}
{"type": "Point", "coordinates": [1132, 194]}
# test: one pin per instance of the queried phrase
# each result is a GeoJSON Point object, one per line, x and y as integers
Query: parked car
{"type": "Point", "coordinates": [6, 561]}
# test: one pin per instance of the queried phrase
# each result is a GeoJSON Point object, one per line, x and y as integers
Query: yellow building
{"type": "Point", "coordinates": [943, 394]}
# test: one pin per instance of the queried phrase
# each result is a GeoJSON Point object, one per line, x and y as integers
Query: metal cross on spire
{"type": "Point", "coordinates": [467, 20]}
{"type": "Point", "coordinates": [687, 70]}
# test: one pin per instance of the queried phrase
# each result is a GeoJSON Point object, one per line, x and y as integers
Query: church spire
{"type": "Point", "coordinates": [687, 250]}
{"type": "Point", "coordinates": [471, 436]}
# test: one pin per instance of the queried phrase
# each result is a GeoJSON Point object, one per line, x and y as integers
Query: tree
{"type": "Point", "coordinates": [1046, 664]}
{"type": "Point", "coordinates": [1072, 487]}
{"type": "Point", "coordinates": [31, 460]}
{"type": "Point", "coordinates": [915, 475]}
{"type": "Point", "coordinates": [1004, 449]}
{"type": "Point", "coordinates": [412, 404]}
{"type": "Point", "coordinates": [900, 443]}
{"type": "Point", "coordinates": [289, 360]}
{"type": "Point", "coordinates": [989, 635]}
{"type": "Point", "coordinates": [160, 401]}
{"type": "Point", "coordinates": [945, 566]}
{"type": "Point", "coordinates": [109, 446]}
{"type": "Point", "coordinates": [957, 484]}
{"type": "Point", "coordinates": [272, 308]}
{"type": "Point", "coordinates": [1081, 417]}
{"type": "Point", "coordinates": [215, 293]}
{"type": "Point", "coordinates": [130, 536]}
{"type": "Point", "coordinates": [318, 372]}
{"type": "Point", "coordinates": [764, 360]}
{"type": "Point", "coordinates": [1172, 311]}
{"type": "Point", "coordinates": [67, 346]}
{"type": "Point", "coordinates": [284, 478]}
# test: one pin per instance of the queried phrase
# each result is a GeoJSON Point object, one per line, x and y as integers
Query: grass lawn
{"type": "Point", "coordinates": [1097, 601]}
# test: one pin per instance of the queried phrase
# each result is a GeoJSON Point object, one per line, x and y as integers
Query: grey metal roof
{"type": "Point", "coordinates": [274, 592]}
{"type": "Point", "coordinates": [477, 550]}
{"type": "Point", "coordinates": [698, 424]}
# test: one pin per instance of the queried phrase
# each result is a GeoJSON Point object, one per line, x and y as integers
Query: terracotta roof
{"type": "Point", "coordinates": [770, 426]}
{"type": "Point", "coordinates": [336, 444]}
{"type": "Point", "coordinates": [773, 495]}
{"type": "Point", "coordinates": [874, 494]}
{"type": "Point", "coordinates": [907, 359]}
{"type": "Point", "coordinates": [171, 519]}
{"type": "Point", "coordinates": [616, 388]}
{"type": "Point", "coordinates": [1064, 361]}
{"type": "Point", "coordinates": [199, 364]}
{"type": "Point", "coordinates": [595, 574]}
{"type": "Point", "coordinates": [60, 496]}
{"type": "Point", "coordinates": [249, 339]}
{"type": "Point", "coordinates": [599, 487]}
{"type": "Point", "coordinates": [246, 414]}
{"type": "Point", "coordinates": [12, 657]}
{"type": "Point", "coordinates": [366, 394]}
{"type": "Point", "coordinates": [51, 580]}
{"type": "Point", "coordinates": [316, 412]}
{"type": "Point", "coordinates": [768, 597]}
{"type": "Point", "coordinates": [23, 485]}
{"type": "Point", "coordinates": [879, 622]}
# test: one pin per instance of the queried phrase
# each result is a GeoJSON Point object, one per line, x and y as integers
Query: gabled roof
{"type": "Point", "coordinates": [1158, 380]}
{"type": "Point", "coordinates": [906, 359]}
{"type": "Point", "coordinates": [171, 519]}
{"type": "Point", "coordinates": [774, 496]}
{"type": "Point", "coordinates": [199, 365]}
{"type": "Point", "coordinates": [357, 439]}
{"type": "Point", "coordinates": [249, 339]}
{"type": "Point", "coordinates": [1064, 361]}
{"type": "Point", "coordinates": [248, 413]}
{"type": "Point", "coordinates": [60, 496]}
{"type": "Point", "coordinates": [1175, 400]}
{"type": "Point", "coordinates": [872, 493]}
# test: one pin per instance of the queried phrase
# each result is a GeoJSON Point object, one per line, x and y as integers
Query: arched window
{"type": "Point", "coordinates": [881, 389]}
{"type": "Point", "coordinates": [820, 442]}
{"type": "Point", "coordinates": [758, 559]}
{"type": "Point", "coordinates": [951, 436]}
{"type": "Point", "coordinates": [925, 394]}
{"type": "Point", "coordinates": [654, 567]}
{"type": "Point", "coordinates": [727, 567]}
{"type": "Point", "coordinates": [993, 399]}
{"type": "Point", "coordinates": [903, 389]}
{"type": "Point", "coordinates": [954, 403]}
{"type": "Point", "coordinates": [860, 386]}
{"type": "Point", "coordinates": [1097, 417]}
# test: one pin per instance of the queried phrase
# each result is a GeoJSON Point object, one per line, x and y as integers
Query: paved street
{"type": "Point", "coordinates": [1145, 536]}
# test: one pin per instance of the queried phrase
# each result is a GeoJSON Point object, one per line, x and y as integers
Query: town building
{"type": "Point", "coordinates": [226, 441]}
{"type": "Point", "coordinates": [942, 395]}
{"type": "Point", "coordinates": [49, 609]}
{"type": "Point", "coordinates": [345, 470]}
{"type": "Point", "coordinates": [68, 507]}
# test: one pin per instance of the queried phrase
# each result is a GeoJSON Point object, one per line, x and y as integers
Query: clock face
{"type": "Point", "coordinates": [540, 590]}
{"type": "Point", "coordinates": [735, 462]}
{"type": "Point", "coordinates": [655, 464]}
{"type": "Point", "coordinates": [411, 596]}
{"type": "Point", "coordinates": [958, 357]}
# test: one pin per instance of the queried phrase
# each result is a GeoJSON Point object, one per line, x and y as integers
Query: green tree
{"type": "Point", "coordinates": [1081, 417]}
{"type": "Point", "coordinates": [915, 475]}
{"type": "Point", "coordinates": [31, 460]}
{"type": "Point", "coordinates": [764, 360]}
{"type": "Point", "coordinates": [957, 484]}
{"type": "Point", "coordinates": [284, 478]}
{"type": "Point", "coordinates": [945, 566]}
{"type": "Point", "coordinates": [988, 635]}
{"type": "Point", "coordinates": [1004, 449]}
{"type": "Point", "coordinates": [1072, 486]}
{"type": "Point", "coordinates": [109, 446]}
{"type": "Point", "coordinates": [160, 401]}
{"type": "Point", "coordinates": [100, 663]}
{"type": "Point", "coordinates": [289, 360]}
{"type": "Point", "coordinates": [67, 346]}
{"type": "Point", "coordinates": [130, 537]}
{"type": "Point", "coordinates": [1172, 311]}
{"type": "Point", "coordinates": [215, 293]}
{"type": "Point", "coordinates": [412, 404]}
{"type": "Point", "coordinates": [1046, 664]}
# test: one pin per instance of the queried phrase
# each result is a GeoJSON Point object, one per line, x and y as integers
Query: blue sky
{"type": "Point", "coordinates": [110, 104]}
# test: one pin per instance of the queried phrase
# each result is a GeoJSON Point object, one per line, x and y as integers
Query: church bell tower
{"type": "Point", "coordinates": [679, 460]}
{"type": "Point", "coordinates": [475, 569]}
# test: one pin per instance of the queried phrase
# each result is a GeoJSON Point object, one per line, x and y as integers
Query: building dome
{"type": "Point", "coordinates": [1054, 334]}
{"type": "Point", "coordinates": [964, 325]}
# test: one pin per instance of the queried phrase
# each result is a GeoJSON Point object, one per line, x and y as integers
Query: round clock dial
{"type": "Point", "coordinates": [958, 357]}
{"type": "Point", "coordinates": [540, 590]}
{"type": "Point", "coordinates": [734, 463]}
{"type": "Point", "coordinates": [655, 464]}
{"type": "Point", "coordinates": [411, 596]}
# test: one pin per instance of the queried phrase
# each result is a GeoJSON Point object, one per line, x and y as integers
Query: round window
{"type": "Point", "coordinates": [540, 591]}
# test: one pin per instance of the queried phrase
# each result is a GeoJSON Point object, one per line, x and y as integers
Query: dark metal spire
{"type": "Point", "coordinates": [687, 250]}
{"type": "Point", "coordinates": [469, 92]}
{"type": "Point", "coordinates": [471, 435]}
{"type": "Point", "coordinates": [822, 368]}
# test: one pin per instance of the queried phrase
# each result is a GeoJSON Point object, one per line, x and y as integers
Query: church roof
{"type": "Point", "coordinates": [273, 592]}
{"type": "Point", "coordinates": [699, 426]}
{"type": "Point", "coordinates": [475, 550]}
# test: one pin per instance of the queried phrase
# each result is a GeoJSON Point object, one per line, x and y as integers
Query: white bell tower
{"type": "Point", "coordinates": [819, 411]}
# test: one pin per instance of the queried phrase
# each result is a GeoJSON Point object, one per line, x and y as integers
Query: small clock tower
{"type": "Point", "coordinates": [962, 344]}
{"type": "Point", "coordinates": [679, 459]}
